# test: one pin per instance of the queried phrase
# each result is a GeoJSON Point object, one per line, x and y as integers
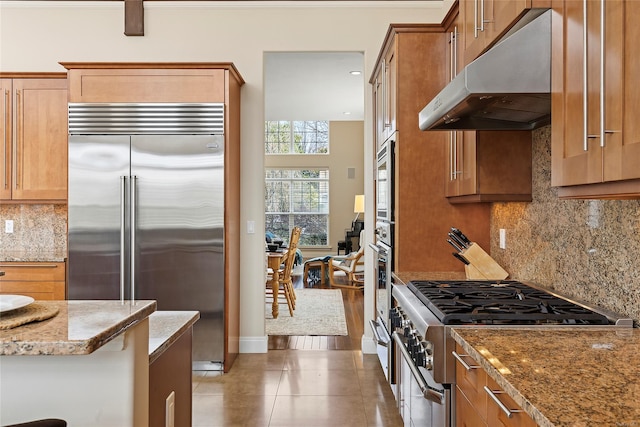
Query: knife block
{"type": "Point", "coordinates": [481, 266]}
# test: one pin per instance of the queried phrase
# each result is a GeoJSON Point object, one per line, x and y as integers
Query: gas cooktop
{"type": "Point", "coordinates": [500, 302]}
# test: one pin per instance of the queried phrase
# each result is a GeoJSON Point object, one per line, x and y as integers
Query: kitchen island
{"type": "Point", "coordinates": [89, 364]}
{"type": "Point", "coordinates": [563, 377]}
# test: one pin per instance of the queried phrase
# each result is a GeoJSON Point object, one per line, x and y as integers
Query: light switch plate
{"type": "Point", "coordinates": [8, 226]}
{"type": "Point", "coordinates": [503, 238]}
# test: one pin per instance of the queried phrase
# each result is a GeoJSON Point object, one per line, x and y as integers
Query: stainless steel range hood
{"type": "Point", "coordinates": [506, 88]}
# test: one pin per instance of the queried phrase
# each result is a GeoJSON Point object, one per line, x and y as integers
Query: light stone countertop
{"type": "Point", "coordinates": [578, 377]}
{"type": "Point", "coordinates": [165, 327]}
{"type": "Point", "coordinates": [80, 327]}
{"type": "Point", "coordinates": [32, 256]}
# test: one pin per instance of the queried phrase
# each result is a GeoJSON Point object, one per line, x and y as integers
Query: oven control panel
{"type": "Point", "coordinates": [420, 350]}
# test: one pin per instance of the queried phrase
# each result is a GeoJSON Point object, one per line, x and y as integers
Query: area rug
{"type": "Point", "coordinates": [318, 312]}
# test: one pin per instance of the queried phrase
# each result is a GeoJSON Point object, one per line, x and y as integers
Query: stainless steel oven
{"type": "Point", "coordinates": [381, 326]}
{"type": "Point", "coordinates": [423, 312]}
{"type": "Point", "coordinates": [385, 182]}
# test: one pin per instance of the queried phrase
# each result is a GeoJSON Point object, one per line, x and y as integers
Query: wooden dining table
{"type": "Point", "coordinates": [274, 260]}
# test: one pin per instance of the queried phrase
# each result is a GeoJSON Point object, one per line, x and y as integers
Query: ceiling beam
{"type": "Point", "coordinates": [134, 17]}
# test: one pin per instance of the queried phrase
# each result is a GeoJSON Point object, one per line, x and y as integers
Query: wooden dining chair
{"type": "Point", "coordinates": [285, 288]}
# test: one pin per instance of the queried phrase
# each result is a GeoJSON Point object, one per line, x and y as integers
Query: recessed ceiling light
{"type": "Point", "coordinates": [355, 73]}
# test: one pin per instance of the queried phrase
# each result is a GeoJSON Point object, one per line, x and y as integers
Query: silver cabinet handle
{"type": "Point", "coordinates": [123, 223]}
{"type": "Point", "coordinates": [602, 69]}
{"type": "Point", "coordinates": [36, 265]}
{"type": "Point", "coordinates": [475, 19]}
{"type": "Point", "coordinates": [482, 16]}
{"type": "Point", "coordinates": [455, 51]}
{"type": "Point", "coordinates": [374, 328]}
{"type": "Point", "coordinates": [17, 131]}
{"type": "Point", "coordinates": [464, 364]}
{"type": "Point", "coordinates": [492, 394]}
{"type": "Point", "coordinates": [585, 123]}
{"type": "Point", "coordinates": [134, 208]}
{"type": "Point", "coordinates": [4, 137]}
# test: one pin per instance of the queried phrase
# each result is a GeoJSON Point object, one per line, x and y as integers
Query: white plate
{"type": "Point", "coordinates": [11, 302]}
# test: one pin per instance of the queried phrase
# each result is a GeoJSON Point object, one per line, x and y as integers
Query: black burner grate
{"type": "Point", "coordinates": [499, 302]}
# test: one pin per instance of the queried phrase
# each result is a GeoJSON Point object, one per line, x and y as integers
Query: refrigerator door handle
{"type": "Point", "coordinates": [134, 208]}
{"type": "Point", "coordinates": [123, 223]}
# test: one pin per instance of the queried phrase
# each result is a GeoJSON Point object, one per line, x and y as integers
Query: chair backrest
{"type": "Point", "coordinates": [291, 255]}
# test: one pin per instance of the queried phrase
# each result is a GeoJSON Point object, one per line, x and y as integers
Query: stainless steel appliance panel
{"type": "Point", "coordinates": [178, 193]}
{"type": "Point", "coordinates": [99, 167]}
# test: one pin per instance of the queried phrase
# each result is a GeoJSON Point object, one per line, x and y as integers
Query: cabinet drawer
{"type": "Point", "coordinates": [471, 382]}
{"type": "Point", "coordinates": [466, 415]}
{"type": "Point", "coordinates": [499, 417]}
{"type": "Point", "coordinates": [32, 271]}
{"type": "Point", "coordinates": [37, 290]}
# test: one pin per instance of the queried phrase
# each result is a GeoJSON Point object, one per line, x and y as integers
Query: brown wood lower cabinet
{"type": "Point", "coordinates": [40, 280]}
{"type": "Point", "coordinates": [475, 406]}
{"type": "Point", "coordinates": [171, 373]}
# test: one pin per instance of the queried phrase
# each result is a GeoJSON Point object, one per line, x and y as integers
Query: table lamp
{"type": "Point", "coordinates": [358, 206]}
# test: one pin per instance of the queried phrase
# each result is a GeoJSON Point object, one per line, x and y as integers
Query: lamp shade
{"type": "Point", "coordinates": [358, 205]}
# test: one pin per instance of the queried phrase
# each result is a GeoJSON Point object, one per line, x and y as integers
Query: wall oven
{"type": "Point", "coordinates": [382, 272]}
{"type": "Point", "coordinates": [384, 182]}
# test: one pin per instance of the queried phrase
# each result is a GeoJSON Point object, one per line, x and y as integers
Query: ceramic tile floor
{"type": "Point", "coordinates": [310, 388]}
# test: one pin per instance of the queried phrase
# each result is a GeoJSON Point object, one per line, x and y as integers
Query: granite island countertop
{"type": "Point", "coordinates": [563, 377]}
{"type": "Point", "coordinates": [80, 327]}
{"type": "Point", "coordinates": [165, 327]}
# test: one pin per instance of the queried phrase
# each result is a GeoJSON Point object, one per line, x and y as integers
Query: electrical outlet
{"type": "Point", "coordinates": [170, 410]}
{"type": "Point", "coordinates": [503, 238]}
{"type": "Point", "coordinates": [8, 226]}
{"type": "Point", "coordinates": [251, 227]}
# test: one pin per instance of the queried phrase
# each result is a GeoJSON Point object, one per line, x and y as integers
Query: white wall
{"type": "Point", "coordinates": [35, 35]}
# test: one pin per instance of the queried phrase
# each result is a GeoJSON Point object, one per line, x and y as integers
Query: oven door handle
{"type": "Point", "coordinates": [374, 327]}
{"type": "Point", "coordinates": [379, 250]}
{"type": "Point", "coordinates": [428, 392]}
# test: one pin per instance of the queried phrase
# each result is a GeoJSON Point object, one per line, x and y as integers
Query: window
{"type": "Point", "coordinates": [298, 197]}
{"type": "Point", "coordinates": [295, 137]}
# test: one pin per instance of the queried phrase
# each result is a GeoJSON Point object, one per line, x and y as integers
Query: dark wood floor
{"type": "Point", "coordinates": [354, 315]}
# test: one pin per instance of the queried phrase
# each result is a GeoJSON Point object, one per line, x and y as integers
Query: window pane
{"type": "Point", "coordinates": [314, 229]}
{"type": "Point", "coordinates": [298, 197]}
{"type": "Point", "coordinates": [298, 137]}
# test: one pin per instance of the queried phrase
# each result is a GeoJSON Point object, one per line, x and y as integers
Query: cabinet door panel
{"type": "Point", "coordinates": [40, 142]}
{"type": "Point", "coordinates": [466, 416]}
{"type": "Point", "coordinates": [630, 157]}
{"type": "Point", "coordinates": [5, 148]}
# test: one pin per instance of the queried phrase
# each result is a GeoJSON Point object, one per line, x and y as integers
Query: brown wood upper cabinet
{"type": "Point", "coordinates": [483, 166]}
{"type": "Point", "coordinates": [412, 57]}
{"type": "Point", "coordinates": [595, 133]}
{"type": "Point", "coordinates": [33, 160]}
{"type": "Point", "coordinates": [485, 21]}
{"type": "Point", "coordinates": [384, 92]}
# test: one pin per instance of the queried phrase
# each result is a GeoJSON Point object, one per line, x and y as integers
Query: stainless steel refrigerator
{"type": "Point", "coordinates": [146, 211]}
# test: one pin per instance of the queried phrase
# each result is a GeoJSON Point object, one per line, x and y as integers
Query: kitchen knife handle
{"type": "Point", "coordinates": [134, 208]}
{"type": "Point", "coordinates": [123, 224]}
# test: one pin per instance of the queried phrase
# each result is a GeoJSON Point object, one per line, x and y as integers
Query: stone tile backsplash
{"type": "Point", "coordinates": [585, 249]}
{"type": "Point", "coordinates": [38, 230]}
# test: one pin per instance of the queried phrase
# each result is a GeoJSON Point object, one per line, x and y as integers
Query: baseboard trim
{"type": "Point", "coordinates": [254, 344]}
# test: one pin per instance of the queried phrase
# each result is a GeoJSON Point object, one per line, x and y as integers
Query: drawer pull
{"type": "Point", "coordinates": [492, 394]}
{"type": "Point", "coordinates": [459, 358]}
{"type": "Point", "coordinates": [29, 266]}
